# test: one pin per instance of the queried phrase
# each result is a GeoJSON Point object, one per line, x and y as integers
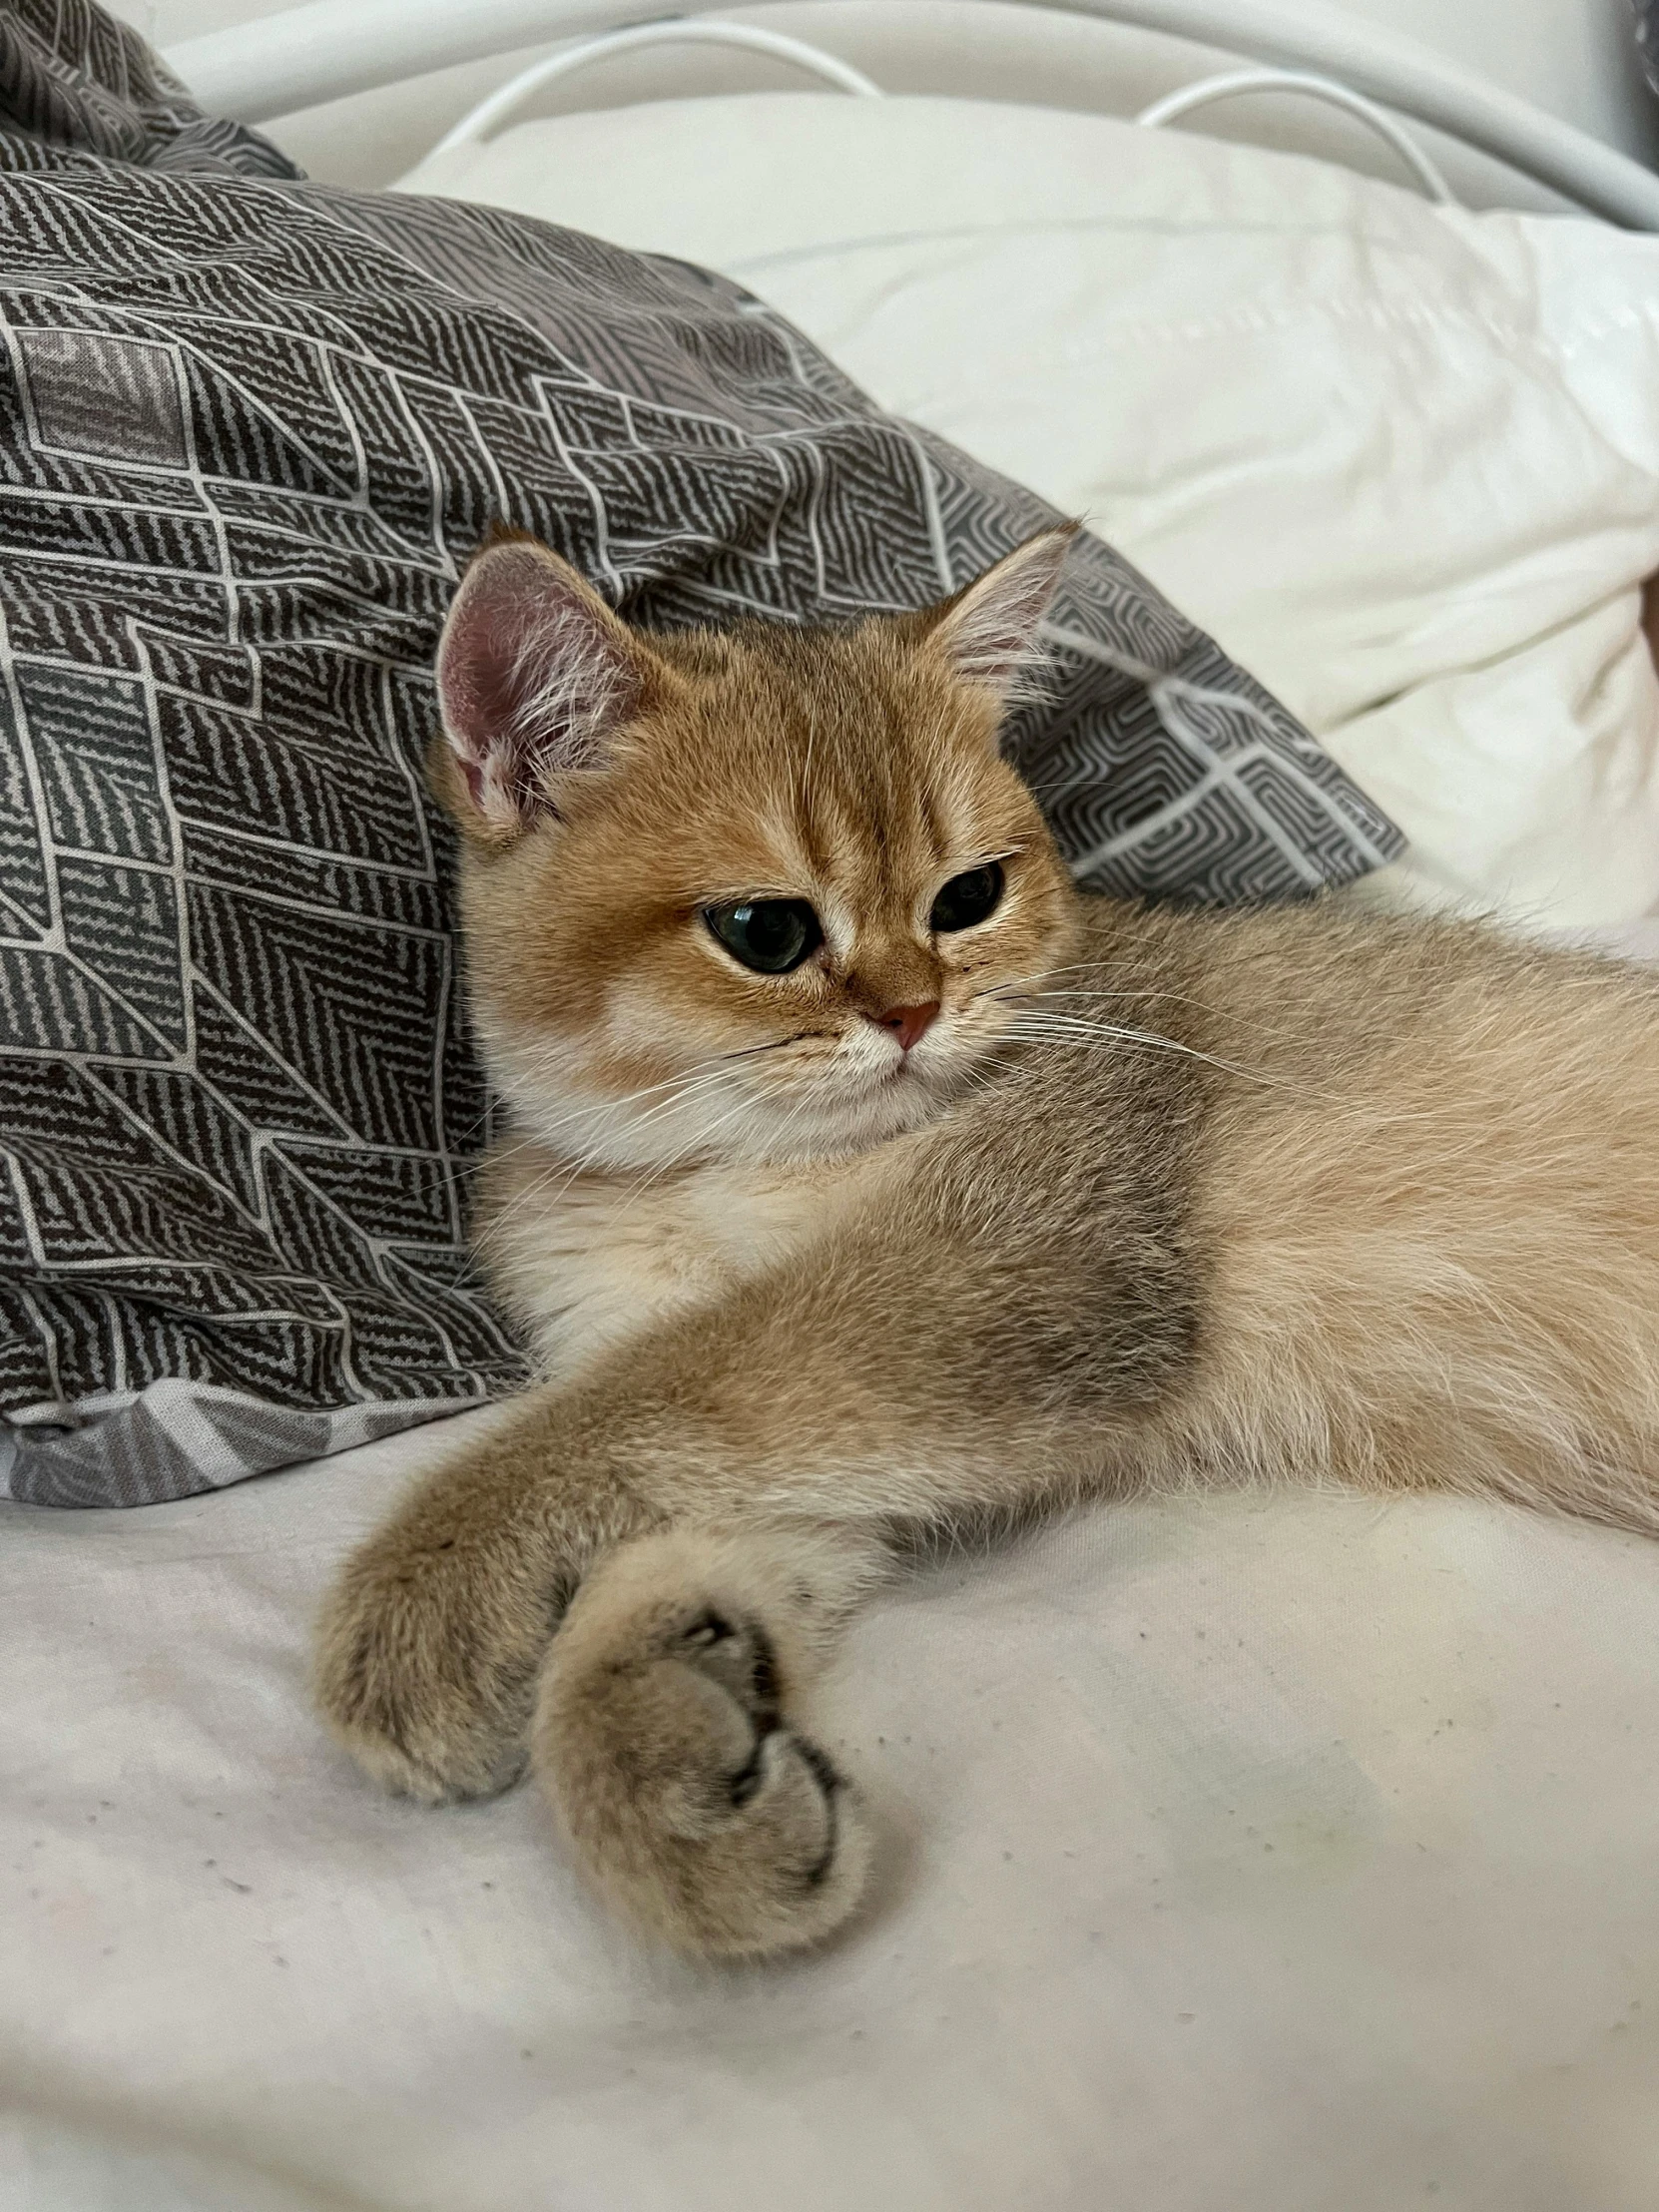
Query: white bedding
{"type": "Point", "coordinates": [1266, 1856]}
{"type": "Point", "coordinates": [1403, 463]}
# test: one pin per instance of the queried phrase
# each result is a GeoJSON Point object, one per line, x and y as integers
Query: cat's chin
{"type": "Point", "coordinates": [890, 1104]}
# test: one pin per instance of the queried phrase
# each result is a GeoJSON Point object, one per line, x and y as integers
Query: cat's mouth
{"type": "Point", "coordinates": [902, 1073]}
{"type": "Point", "coordinates": [933, 1080]}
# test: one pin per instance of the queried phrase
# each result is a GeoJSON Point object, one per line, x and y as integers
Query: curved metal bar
{"type": "Point", "coordinates": [693, 31]}
{"type": "Point", "coordinates": [1209, 90]}
{"type": "Point", "coordinates": [325, 50]}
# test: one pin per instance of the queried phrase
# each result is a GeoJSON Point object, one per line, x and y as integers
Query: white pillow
{"type": "Point", "coordinates": [1402, 462]}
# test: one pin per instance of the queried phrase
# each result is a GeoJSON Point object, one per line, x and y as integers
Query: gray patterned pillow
{"type": "Point", "coordinates": [250, 431]}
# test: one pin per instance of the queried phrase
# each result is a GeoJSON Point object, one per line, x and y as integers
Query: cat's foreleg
{"type": "Point", "coordinates": [709, 1580]}
{"type": "Point", "coordinates": [968, 1341]}
{"type": "Point", "coordinates": [666, 1729]}
{"type": "Point", "coordinates": [433, 1637]}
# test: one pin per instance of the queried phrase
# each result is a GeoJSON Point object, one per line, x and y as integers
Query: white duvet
{"type": "Point", "coordinates": [1250, 1855]}
{"type": "Point", "coordinates": [1403, 463]}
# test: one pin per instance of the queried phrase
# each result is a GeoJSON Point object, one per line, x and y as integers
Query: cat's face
{"type": "Point", "coordinates": [750, 895]}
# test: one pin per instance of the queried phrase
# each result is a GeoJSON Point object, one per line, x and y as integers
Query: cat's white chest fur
{"type": "Point", "coordinates": [589, 1260]}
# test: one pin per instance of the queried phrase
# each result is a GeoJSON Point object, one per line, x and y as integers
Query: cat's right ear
{"type": "Point", "coordinates": [538, 678]}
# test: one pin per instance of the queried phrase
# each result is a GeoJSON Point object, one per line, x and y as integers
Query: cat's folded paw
{"type": "Point", "coordinates": [693, 1807]}
{"type": "Point", "coordinates": [425, 1667]}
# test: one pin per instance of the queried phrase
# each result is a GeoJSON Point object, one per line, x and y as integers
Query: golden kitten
{"type": "Point", "coordinates": [862, 1177]}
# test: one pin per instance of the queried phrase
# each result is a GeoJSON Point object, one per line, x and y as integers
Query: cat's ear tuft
{"type": "Point", "coordinates": [989, 630]}
{"type": "Point", "coordinates": [536, 678]}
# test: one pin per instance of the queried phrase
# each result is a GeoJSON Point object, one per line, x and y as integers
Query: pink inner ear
{"type": "Point", "coordinates": [532, 679]}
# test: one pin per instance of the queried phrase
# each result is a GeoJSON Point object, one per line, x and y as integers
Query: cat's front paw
{"type": "Point", "coordinates": [426, 1662]}
{"type": "Point", "coordinates": [693, 1807]}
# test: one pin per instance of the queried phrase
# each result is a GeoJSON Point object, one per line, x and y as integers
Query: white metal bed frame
{"type": "Point", "coordinates": [328, 49]}
{"type": "Point", "coordinates": [478, 123]}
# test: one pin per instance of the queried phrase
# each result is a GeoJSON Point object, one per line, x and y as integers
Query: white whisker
{"type": "Point", "coordinates": [1071, 1030]}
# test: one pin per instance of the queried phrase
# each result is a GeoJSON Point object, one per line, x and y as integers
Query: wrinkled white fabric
{"type": "Point", "coordinates": [1403, 463]}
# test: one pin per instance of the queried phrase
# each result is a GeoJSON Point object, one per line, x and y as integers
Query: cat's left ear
{"type": "Point", "coordinates": [537, 680]}
{"type": "Point", "coordinates": [989, 630]}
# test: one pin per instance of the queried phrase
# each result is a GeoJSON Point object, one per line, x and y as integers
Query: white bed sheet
{"type": "Point", "coordinates": [1284, 1854]}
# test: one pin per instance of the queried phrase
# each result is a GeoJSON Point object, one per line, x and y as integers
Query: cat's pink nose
{"type": "Point", "coordinates": [908, 1023]}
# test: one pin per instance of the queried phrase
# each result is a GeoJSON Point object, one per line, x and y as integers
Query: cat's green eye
{"type": "Point", "coordinates": [968, 898]}
{"type": "Point", "coordinates": [769, 934]}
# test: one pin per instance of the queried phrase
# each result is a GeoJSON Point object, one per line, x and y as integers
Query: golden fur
{"type": "Point", "coordinates": [1160, 1198]}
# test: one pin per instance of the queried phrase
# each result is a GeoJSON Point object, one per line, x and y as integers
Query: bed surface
{"type": "Point", "coordinates": [1275, 1854]}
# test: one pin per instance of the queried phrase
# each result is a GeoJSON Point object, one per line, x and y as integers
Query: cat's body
{"type": "Point", "coordinates": [1410, 1155]}
{"type": "Point", "coordinates": [945, 1218]}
